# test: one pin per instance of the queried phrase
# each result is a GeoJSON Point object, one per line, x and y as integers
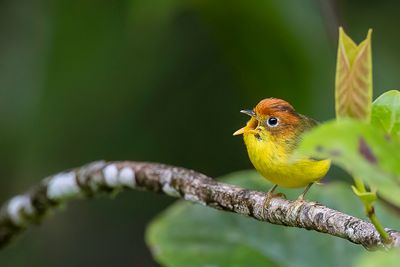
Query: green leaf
{"type": "Point", "coordinates": [380, 258]}
{"type": "Point", "coordinates": [353, 85]}
{"type": "Point", "coordinates": [386, 113]}
{"type": "Point", "coordinates": [193, 235]}
{"type": "Point", "coordinates": [362, 150]}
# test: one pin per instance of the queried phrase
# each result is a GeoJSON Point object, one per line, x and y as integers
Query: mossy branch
{"type": "Point", "coordinates": [105, 177]}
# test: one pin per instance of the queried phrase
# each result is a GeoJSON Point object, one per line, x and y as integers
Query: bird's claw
{"type": "Point", "coordinates": [300, 199]}
{"type": "Point", "coordinates": [269, 196]}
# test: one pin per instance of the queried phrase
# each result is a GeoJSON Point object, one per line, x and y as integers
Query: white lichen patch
{"type": "Point", "coordinates": [194, 198]}
{"type": "Point", "coordinates": [350, 231]}
{"type": "Point", "coordinates": [18, 206]}
{"type": "Point", "coordinates": [111, 175]}
{"type": "Point", "coordinates": [169, 190]}
{"type": "Point", "coordinates": [127, 177]}
{"type": "Point", "coordinates": [165, 180]}
{"type": "Point", "coordinates": [165, 177]}
{"type": "Point", "coordinates": [116, 178]}
{"type": "Point", "coordinates": [62, 185]}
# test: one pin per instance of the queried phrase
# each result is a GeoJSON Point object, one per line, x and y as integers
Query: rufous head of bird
{"type": "Point", "coordinates": [273, 117]}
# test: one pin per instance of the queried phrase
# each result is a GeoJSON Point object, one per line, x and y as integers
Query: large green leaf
{"type": "Point", "coordinates": [193, 235]}
{"type": "Point", "coordinates": [386, 113]}
{"type": "Point", "coordinates": [381, 258]}
{"type": "Point", "coordinates": [362, 149]}
{"type": "Point", "coordinates": [353, 88]}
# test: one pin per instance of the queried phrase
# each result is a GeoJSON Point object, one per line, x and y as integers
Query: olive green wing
{"type": "Point", "coordinates": [308, 124]}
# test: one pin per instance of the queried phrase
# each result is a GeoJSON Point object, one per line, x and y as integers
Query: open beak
{"type": "Point", "coordinates": [249, 112]}
{"type": "Point", "coordinates": [240, 131]}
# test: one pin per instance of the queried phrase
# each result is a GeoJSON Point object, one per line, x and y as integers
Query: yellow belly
{"type": "Point", "coordinates": [272, 161]}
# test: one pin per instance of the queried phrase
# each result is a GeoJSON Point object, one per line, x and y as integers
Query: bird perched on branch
{"type": "Point", "coordinates": [271, 136]}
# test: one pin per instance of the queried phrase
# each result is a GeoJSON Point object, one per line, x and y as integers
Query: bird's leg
{"type": "Point", "coordinates": [301, 197]}
{"type": "Point", "coordinates": [269, 195]}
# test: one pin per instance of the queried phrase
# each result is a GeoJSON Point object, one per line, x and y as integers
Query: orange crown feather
{"type": "Point", "coordinates": [270, 106]}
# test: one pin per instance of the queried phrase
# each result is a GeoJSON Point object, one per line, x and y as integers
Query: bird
{"type": "Point", "coordinates": [271, 136]}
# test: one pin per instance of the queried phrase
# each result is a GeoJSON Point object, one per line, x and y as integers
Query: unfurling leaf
{"type": "Point", "coordinates": [353, 90]}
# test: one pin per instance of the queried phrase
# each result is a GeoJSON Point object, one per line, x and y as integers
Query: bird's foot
{"type": "Point", "coordinates": [268, 197]}
{"type": "Point", "coordinates": [301, 199]}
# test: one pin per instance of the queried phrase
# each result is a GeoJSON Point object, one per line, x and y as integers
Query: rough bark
{"type": "Point", "coordinates": [105, 177]}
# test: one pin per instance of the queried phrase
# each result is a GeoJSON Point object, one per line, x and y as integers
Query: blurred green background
{"type": "Point", "coordinates": [156, 81]}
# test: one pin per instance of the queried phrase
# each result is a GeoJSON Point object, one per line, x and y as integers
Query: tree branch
{"type": "Point", "coordinates": [105, 177]}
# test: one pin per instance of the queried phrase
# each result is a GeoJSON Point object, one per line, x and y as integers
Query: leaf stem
{"type": "Point", "coordinates": [369, 208]}
{"type": "Point", "coordinates": [378, 226]}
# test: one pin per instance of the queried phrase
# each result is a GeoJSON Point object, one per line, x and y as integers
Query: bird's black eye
{"type": "Point", "coordinates": [272, 121]}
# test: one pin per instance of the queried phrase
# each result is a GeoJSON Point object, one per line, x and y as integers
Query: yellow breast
{"type": "Point", "coordinates": [272, 160]}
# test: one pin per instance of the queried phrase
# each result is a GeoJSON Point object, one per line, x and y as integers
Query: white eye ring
{"type": "Point", "coordinates": [272, 121]}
